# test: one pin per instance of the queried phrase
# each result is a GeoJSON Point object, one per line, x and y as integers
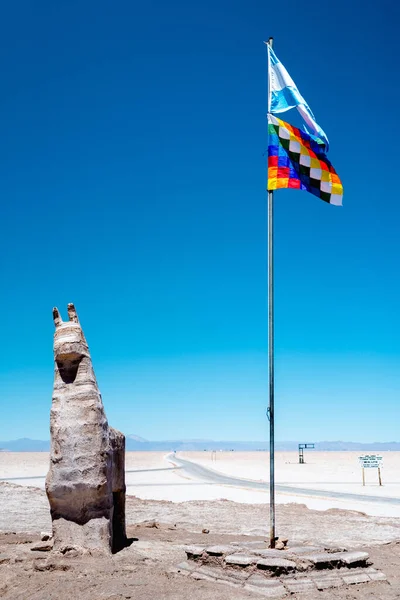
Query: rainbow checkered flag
{"type": "Point", "coordinates": [297, 160]}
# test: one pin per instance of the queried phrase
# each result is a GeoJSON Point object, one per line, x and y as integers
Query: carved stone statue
{"type": "Point", "coordinates": [86, 481]}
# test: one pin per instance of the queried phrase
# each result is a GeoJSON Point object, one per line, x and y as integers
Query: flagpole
{"type": "Point", "coordinates": [271, 365]}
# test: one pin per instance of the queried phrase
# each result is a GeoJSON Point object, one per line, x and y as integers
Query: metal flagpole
{"type": "Point", "coordinates": [271, 354]}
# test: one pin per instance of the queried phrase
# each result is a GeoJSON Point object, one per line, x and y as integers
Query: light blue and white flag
{"type": "Point", "coordinates": [284, 94]}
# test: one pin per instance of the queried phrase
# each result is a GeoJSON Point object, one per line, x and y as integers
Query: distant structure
{"type": "Point", "coordinates": [86, 481]}
{"type": "Point", "coordinates": [302, 447]}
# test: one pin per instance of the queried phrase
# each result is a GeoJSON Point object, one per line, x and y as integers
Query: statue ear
{"type": "Point", "coordinates": [56, 317]}
{"type": "Point", "coordinates": [72, 314]}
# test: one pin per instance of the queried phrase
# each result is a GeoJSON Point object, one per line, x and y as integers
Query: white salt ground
{"type": "Point", "coordinates": [150, 476]}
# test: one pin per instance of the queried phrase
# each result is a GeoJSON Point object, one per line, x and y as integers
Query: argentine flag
{"type": "Point", "coordinates": [283, 95]}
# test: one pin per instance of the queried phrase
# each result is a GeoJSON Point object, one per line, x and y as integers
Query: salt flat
{"type": "Point", "coordinates": [339, 471]}
{"type": "Point", "coordinates": [150, 476]}
{"type": "Point", "coordinates": [323, 471]}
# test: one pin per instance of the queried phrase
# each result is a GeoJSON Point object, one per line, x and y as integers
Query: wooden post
{"type": "Point", "coordinates": [363, 475]}
{"type": "Point", "coordinates": [379, 476]}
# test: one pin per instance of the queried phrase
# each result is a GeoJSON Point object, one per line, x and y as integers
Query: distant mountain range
{"type": "Point", "coordinates": [25, 445]}
{"type": "Point", "coordinates": [137, 443]}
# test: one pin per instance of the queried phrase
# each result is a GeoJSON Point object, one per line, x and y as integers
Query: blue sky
{"type": "Point", "coordinates": [132, 181]}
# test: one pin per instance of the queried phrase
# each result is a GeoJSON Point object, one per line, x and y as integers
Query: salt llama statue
{"type": "Point", "coordinates": [86, 481]}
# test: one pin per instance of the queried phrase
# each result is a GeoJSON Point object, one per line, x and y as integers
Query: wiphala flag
{"type": "Point", "coordinates": [297, 160]}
